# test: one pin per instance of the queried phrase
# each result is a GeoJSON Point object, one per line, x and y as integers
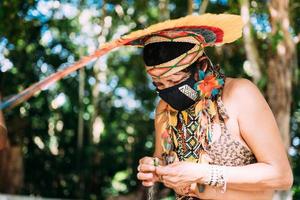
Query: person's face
{"type": "Point", "coordinates": [169, 81]}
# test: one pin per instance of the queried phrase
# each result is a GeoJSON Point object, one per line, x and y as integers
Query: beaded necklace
{"type": "Point", "coordinates": [189, 132]}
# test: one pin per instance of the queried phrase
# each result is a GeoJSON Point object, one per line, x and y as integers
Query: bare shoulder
{"type": "Point", "coordinates": [241, 89]}
{"type": "Point", "coordinates": [240, 96]}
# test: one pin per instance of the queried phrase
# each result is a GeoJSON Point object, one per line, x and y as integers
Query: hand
{"type": "Point", "coordinates": [181, 174]}
{"type": "Point", "coordinates": [191, 191]}
{"type": "Point", "coordinates": [182, 191]}
{"type": "Point", "coordinates": [146, 171]}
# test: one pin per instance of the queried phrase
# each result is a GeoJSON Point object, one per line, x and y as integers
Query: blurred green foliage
{"type": "Point", "coordinates": [47, 131]}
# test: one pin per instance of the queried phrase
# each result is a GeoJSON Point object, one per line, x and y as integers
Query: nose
{"type": "Point", "coordinates": [168, 84]}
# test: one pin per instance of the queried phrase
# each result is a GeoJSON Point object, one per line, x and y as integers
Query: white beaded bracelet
{"type": "Point", "coordinates": [216, 177]}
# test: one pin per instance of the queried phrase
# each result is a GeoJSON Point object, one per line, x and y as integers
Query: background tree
{"type": "Point", "coordinates": [83, 136]}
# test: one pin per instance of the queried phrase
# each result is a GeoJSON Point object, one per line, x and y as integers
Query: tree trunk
{"type": "Point", "coordinates": [255, 62]}
{"type": "Point", "coordinates": [80, 131]}
{"type": "Point", "coordinates": [203, 7]}
{"type": "Point", "coordinates": [280, 67]}
{"type": "Point", "coordinates": [3, 131]}
{"type": "Point", "coordinates": [11, 170]}
{"type": "Point", "coordinates": [100, 74]}
{"type": "Point", "coordinates": [190, 7]}
{"type": "Point", "coordinates": [11, 158]}
{"type": "Point", "coordinates": [81, 111]}
{"type": "Point", "coordinates": [281, 62]}
{"type": "Point", "coordinates": [164, 10]}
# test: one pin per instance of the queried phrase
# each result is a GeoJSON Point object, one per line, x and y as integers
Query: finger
{"type": "Point", "coordinates": [168, 184]}
{"type": "Point", "coordinates": [146, 168]}
{"type": "Point", "coordinates": [147, 183]}
{"type": "Point", "coordinates": [146, 160]}
{"type": "Point", "coordinates": [144, 176]}
{"type": "Point", "coordinates": [170, 180]}
{"type": "Point", "coordinates": [180, 192]}
{"type": "Point", "coordinates": [176, 181]}
{"type": "Point", "coordinates": [163, 170]}
{"type": "Point", "coordinates": [186, 189]}
{"type": "Point", "coordinates": [156, 177]}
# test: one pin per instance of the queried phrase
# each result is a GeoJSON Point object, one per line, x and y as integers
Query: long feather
{"type": "Point", "coordinates": [229, 26]}
{"type": "Point", "coordinates": [30, 91]}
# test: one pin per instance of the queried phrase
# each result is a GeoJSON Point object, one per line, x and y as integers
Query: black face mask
{"type": "Point", "coordinates": [180, 96]}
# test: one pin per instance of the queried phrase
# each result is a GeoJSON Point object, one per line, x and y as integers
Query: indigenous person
{"type": "Point", "coordinates": [3, 131]}
{"type": "Point", "coordinates": [216, 137]}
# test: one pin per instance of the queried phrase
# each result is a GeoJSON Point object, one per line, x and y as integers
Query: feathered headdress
{"type": "Point", "coordinates": [210, 29]}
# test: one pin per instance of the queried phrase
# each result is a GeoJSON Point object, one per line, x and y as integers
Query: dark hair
{"type": "Point", "coordinates": [202, 63]}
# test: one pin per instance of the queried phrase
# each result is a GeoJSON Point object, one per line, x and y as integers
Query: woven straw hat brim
{"type": "Point", "coordinates": [226, 27]}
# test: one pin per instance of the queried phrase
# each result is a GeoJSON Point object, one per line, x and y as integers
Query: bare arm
{"type": "Point", "coordinates": [146, 169]}
{"type": "Point", "coordinates": [160, 118]}
{"type": "Point", "coordinates": [260, 131]}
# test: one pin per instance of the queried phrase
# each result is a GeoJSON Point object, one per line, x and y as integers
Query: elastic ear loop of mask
{"type": "Point", "coordinates": [209, 60]}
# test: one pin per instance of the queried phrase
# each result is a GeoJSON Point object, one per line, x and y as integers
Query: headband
{"type": "Point", "coordinates": [192, 50]}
